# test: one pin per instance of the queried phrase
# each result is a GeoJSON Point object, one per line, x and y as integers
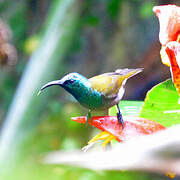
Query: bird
{"type": "Point", "coordinates": [99, 92]}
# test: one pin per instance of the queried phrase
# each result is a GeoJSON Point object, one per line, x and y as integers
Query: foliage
{"type": "Point", "coordinates": [161, 104]}
{"type": "Point", "coordinates": [130, 108]}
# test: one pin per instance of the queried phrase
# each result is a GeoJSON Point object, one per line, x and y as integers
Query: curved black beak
{"type": "Point", "coordinates": [52, 83]}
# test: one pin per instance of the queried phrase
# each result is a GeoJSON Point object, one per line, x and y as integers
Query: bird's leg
{"type": "Point", "coordinates": [89, 117]}
{"type": "Point", "coordinates": [119, 116]}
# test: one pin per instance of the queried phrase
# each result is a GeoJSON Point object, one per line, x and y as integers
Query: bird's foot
{"type": "Point", "coordinates": [89, 118]}
{"type": "Point", "coordinates": [120, 119]}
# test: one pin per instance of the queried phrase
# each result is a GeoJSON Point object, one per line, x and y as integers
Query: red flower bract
{"type": "Point", "coordinates": [133, 126]}
{"type": "Point", "coordinates": [173, 52]}
{"type": "Point", "coordinates": [169, 20]}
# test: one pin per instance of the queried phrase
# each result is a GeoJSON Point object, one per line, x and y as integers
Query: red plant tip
{"type": "Point", "coordinates": [162, 8]}
{"type": "Point", "coordinates": [174, 46]}
{"type": "Point", "coordinates": [173, 52]}
{"type": "Point", "coordinates": [79, 119]}
{"type": "Point", "coordinates": [156, 10]}
{"type": "Point", "coordinates": [133, 126]}
{"type": "Point", "coordinates": [169, 21]}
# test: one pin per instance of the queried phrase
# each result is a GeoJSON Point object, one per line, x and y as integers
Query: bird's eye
{"type": "Point", "coordinates": [69, 81]}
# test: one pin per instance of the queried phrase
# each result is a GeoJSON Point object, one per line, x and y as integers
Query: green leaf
{"type": "Point", "coordinates": [146, 10]}
{"type": "Point", "coordinates": [161, 104]}
{"type": "Point", "coordinates": [128, 108]}
{"type": "Point", "coordinates": [92, 20]}
{"type": "Point", "coordinates": [113, 8]}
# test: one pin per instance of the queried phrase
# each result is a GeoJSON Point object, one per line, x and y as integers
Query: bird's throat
{"type": "Point", "coordinates": [86, 96]}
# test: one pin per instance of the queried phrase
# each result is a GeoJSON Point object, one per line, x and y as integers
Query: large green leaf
{"type": "Point", "coordinates": [161, 104]}
{"type": "Point", "coordinates": [128, 108]}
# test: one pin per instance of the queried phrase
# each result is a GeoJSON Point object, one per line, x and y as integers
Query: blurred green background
{"type": "Point", "coordinates": [44, 40]}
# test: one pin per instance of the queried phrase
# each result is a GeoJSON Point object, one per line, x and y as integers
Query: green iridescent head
{"type": "Point", "coordinates": [73, 83]}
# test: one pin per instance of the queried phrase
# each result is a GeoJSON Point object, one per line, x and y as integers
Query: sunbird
{"type": "Point", "coordinates": [99, 92]}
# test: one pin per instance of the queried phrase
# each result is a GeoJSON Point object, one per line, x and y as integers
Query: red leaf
{"type": "Point", "coordinates": [133, 126]}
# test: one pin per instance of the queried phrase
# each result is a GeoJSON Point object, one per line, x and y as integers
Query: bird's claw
{"type": "Point", "coordinates": [120, 119]}
{"type": "Point", "coordinates": [89, 118]}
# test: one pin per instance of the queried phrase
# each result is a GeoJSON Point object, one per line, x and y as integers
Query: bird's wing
{"type": "Point", "coordinates": [107, 84]}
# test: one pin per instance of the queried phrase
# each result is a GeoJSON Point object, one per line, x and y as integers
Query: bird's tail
{"type": "Point", "coordinates": [127, 73]}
